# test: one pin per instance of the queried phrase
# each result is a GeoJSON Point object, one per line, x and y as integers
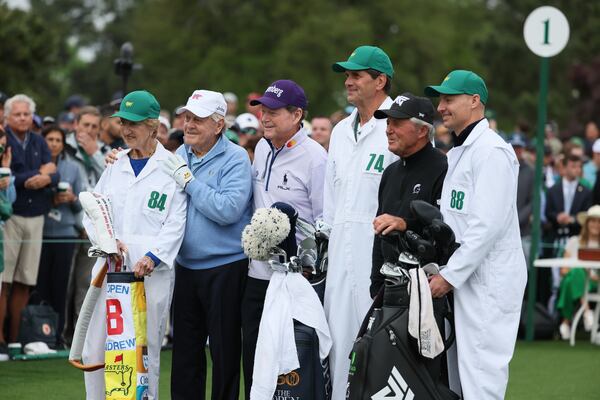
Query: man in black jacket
{"type": "Point", "coordinates": [418, 175]}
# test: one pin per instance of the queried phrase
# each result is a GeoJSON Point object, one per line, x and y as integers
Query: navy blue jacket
{"type": "Point", "coordinates": [26, 163]}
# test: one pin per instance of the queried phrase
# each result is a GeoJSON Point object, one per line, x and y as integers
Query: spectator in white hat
{"type": "Point", "coordinates": [163, 130]}
{"type": "Point", "coordinates": [245, 126]}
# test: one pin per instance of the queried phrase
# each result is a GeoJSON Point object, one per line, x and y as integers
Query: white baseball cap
{"type": "Point", "coordinates": [247, 120]}
{"type": "Point", "coordinates": [164, 121]}
{"type": "Point", "coordinates": [596, 146]}
{"type": "Point", "coordinates": [203, 103]}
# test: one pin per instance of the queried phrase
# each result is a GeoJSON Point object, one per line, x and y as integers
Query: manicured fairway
{"type": "Point", "coordinates": [540, 370]}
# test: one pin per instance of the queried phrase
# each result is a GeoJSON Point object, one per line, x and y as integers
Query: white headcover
{"type": "Point", "coordinates": [99, 211]}
{"type": "Point", "coordinates": [267, 229]}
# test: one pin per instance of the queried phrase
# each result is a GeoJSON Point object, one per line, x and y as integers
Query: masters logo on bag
{"type": "Point", "coordinates": [126, 354]}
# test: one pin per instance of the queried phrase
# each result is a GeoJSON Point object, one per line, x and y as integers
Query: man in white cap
{"type": "Point", "coordinates": [245, 126]}
{"type": "Point", "coordinates": [211, 267]}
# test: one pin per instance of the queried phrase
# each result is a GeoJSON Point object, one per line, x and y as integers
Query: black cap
{"type": "Point", "coordinates": [406, 106]}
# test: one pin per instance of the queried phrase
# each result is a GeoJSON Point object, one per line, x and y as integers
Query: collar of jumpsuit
{"type": "Point", "coordinates": [460, 139]}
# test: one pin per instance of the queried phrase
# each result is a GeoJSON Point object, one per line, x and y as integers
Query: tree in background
{"type": "Point", "coordinates": [242, 46]}
{"type": "Point", "coordinates": [30, 55]}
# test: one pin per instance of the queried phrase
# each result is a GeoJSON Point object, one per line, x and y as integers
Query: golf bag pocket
{"type": "Point", "coordinates": [126, 352]}
{"type": "Point", "coordinates": [385, 363]}
{"type": "Point", "coordinates": [311, 381]}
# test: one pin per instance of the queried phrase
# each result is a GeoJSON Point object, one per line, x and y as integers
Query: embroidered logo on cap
{"type": "Point", "coordinates": [275, 90]}
{"type": "Point", "coordinates": [196, 96]}
{"type": "Point", "coordinates": [401, 99]}
{"type": "Point", "coordinates": [128, 103]}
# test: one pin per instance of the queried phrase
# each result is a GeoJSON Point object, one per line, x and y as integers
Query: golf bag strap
{"type": "Point", "coordinates": [449, 316]}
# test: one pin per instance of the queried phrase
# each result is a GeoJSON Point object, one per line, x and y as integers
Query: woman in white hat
{"type": "Point", "coordinates": [572, 284]}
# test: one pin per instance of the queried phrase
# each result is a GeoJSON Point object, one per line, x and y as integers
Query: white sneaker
{"type": "Point", "coordinates": [588, 320]}
{"type": "Point", "coordinates": [565, 331]}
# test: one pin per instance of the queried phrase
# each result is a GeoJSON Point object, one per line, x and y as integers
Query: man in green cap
{"type": "Point", "coordinates": [488, 272]}
{"type": "Point", "coordinates": [358, 154]}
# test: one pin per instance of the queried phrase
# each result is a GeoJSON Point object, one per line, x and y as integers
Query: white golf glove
{"type": "Point", "coordinates": [176, 167]}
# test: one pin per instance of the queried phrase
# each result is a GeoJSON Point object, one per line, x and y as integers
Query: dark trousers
{"type": "Point", "coordinates": [207, 304]}
{"type": "Point", "coordinates": [56, 261]}
{"type": "Point", "coordinates": [252, 308]}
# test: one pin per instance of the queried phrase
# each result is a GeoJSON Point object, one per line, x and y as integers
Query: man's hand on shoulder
{"type": "Point", "coordinates": [176, 167]}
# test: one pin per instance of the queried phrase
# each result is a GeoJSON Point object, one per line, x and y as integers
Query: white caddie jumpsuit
{"type": "Point", "coordinates": [488, 271]}
{"type": "Point", "coordinates": [352, 178]}
{"type": "Point", "coordinates": [141, 228]}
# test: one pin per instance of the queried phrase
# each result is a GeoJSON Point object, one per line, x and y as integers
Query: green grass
{"type": "Point", "coordinates": [555, 371]}
{"type": "Point", "coordinates": [539, 370]}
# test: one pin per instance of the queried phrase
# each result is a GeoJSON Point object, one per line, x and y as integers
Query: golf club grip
{"type": "Point", "coordinates": [83, 321]}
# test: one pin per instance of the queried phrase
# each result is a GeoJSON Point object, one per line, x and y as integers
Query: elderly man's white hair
{"type": "Point", "coordinates": [19, 98]}
{"type": "Point", "coordinates": [430, 128]}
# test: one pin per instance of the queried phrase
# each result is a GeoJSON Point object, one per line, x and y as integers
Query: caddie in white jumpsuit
{"type": "Point", "coordinates": [358, 154]}
{"type": "Point", "coordinates": [149, 213]}
{"type": "Point", "coordinates": [488, 272]}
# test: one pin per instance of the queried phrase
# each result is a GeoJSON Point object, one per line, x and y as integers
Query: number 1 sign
{"type": "Point", "coordinates": [546, 31]}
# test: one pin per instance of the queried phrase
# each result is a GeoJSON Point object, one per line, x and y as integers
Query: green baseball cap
{"type": "Point", "coordinates": [366, 57]}
{"type": "Point", "coordinates": [138, 106]}
{"type": "Point", "coordinates": [460, 82]}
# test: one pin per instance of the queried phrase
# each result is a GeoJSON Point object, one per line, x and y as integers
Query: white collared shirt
{"type": "Point", "coordinates": [569, 188]}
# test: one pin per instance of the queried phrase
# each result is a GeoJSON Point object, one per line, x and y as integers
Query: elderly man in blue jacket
{"type": "Point", "coordinates": [34, 172]}
{"type": "Point", "coordinates": [211, 267]}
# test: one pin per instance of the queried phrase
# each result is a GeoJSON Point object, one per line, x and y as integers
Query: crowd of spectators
{"type": "Point", "coordinates": [53, 158]}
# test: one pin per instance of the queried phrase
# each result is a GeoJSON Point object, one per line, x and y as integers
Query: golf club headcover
{"type": "Point", "coordinates": [323, 228]}
{"type": "Point", "coordinates": [445, 241]}
{"type": "Point", "coordinates": [268, 228]}
{"type": "Point", "coordinates": [289, 244]}
{"type": "Point", "coordinates": [99, 211]}
{"type": "Point", "coordinates": [423, 249]}
{"type": "Point", "coordinates": [424, 212]}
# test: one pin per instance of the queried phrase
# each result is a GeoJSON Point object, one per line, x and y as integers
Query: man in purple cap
{"type": "Point", "coordinates": [288, 167]}
{"type": "Point", "coordinates": [358, 154]}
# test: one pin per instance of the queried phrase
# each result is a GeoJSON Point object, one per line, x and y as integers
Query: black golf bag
{"type": "Point", "coordinates": [385, 359]}
{"type": "Point", "coordinates": [312, 380]}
